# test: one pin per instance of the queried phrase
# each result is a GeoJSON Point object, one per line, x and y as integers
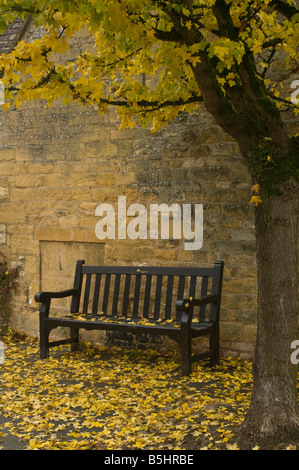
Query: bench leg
{"type": "Point", "coordinates": [215, 348]}
{"type": "Point", "coordinates": [44, 350]}
{"type": "Point", "coordinates": [74, 339]}
{"type": "Point", "coordinates": [185, 345]}
{"type": "Point", "coordinates": [44, 341]}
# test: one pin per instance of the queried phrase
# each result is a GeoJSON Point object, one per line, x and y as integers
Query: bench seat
{"type": "Point", "coordinates": [91, 322]}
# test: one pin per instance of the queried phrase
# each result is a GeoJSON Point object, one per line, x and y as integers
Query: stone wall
{"type": "Point", "coordinates": [58, 164]}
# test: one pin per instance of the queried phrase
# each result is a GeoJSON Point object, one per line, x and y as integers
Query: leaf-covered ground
{"type": "Point", "coordinates": [115, 399]}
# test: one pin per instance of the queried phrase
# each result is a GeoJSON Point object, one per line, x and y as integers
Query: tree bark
{"type": "Point", "coordinates": [274, 411]}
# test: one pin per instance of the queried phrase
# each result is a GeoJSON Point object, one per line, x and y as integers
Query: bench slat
{"type": "Point", "coordinates": [86, 293]}
{"type": "Point", "coordinates": [106, 293]}
{"type": "Point", "coordinates": [180, 294]}
{"type": "Point", "coordinates": [192, 286]}
{"type": "Point", "coordinates": [147, 296]}
{"type": "Point", "coordinates": [126, 295]}
{"type": "Point", "coordinates": [136, 295]}
{"type": "Point", "coordinates": [158, 297]}
{"type": "Point", "coordinates": [153, 270]}
{"type": "Point", "coordinates": [168, 304]}
{"type": "Point", "coordinates": [96, 295]}
{"type": "Point", "coordinates": [203, 293]}
{"type": "Point", "coordinates": [181, 287]}
{"type": "Point", "coordinates": [116, 295]}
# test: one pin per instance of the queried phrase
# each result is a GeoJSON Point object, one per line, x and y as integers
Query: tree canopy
{"type": "Point", "coordinates": [229, 44]}
{"type": "Point", "coordinates": [216, 51]}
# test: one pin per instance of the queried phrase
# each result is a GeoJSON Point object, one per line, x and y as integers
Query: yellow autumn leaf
{"type": "Point", "coordinates": [232, 446]}
{"type": "Point", "coordinates": [113, 398]}
{"type": "Point", "coordinates": [256, 200]}
{"type": "Point", "coordinates": [6, 106]}
{"type": "Point", "coordinates": [32, 444]}
{"type": "Point", "coordinates": [256, 188]}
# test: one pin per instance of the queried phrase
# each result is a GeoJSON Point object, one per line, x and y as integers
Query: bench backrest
{"type": "Point", "coordinates": [148, 292]}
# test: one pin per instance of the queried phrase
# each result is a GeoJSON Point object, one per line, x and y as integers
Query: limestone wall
{"type": "Point", "coordinates": [58, 164]}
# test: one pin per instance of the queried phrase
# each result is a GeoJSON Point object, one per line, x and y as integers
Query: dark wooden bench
{"type": "Point", "coordinates": [182, 303]}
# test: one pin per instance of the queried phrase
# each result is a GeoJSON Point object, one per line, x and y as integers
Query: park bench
{"type": "Point", "coordinates": [182, 303]}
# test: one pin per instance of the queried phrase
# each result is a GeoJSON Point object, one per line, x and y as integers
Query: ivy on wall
{"type": "Point", "coordinates": [8, 282]}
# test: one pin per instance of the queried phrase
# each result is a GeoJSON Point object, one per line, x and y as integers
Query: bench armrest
{"type": "Point", "coordinates": [186, 304]}
{"type": "Point", "coordinates": [186, 313]}
{"type": "Point", "coordinates": [207, 299]}
{"type": "Point", "coordinates": [41, 297]}
{"type": "Point", "coordinates": [182, 305]}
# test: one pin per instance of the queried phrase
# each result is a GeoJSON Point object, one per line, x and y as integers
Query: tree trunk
{"type": "Point", "coordinates": [274, 412]}
{"type": "Point", "coordinates": [247, 117]}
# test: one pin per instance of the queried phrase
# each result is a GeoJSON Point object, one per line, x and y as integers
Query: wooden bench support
{"type": "Point", "coordinates": [182, 303]}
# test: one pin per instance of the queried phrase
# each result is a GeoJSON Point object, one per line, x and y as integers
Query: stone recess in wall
{"type": "Point", "coordinates": [58, 262]}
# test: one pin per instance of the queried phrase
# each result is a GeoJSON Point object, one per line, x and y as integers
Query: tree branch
{"type": "Point", "coordinates": [151, 105]}
{"type": "Point", "coordinates": [225, 22]}
{"type": "Point", "coordinates": [288, 103]}
{"type": "Point", "coordinates": [169, 36]}
{"type": "Point", "coordinates": [285, 9]}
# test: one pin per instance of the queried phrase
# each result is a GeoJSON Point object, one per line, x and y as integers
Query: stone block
{"type": "Point", "coordinates": [11, 213]}
{"type": "Point", "coordinates": [80, 179]}
{"type": "Point", "coordinates": [3, 193]}
{"type": "Point", "coordinates": [231, 331]}
{"type": "Point", "coordinates": [78, 235]}
{"type": "Point", "coordinates": [10, 168]}
{"type": "Point", "coordinates": [166, 254]}
{"type": "Point", "coordinates": [21, 243]}
{"type": "Point", "coordinates": [52, 234]}
{"type": "Point", "coordinates": [54, 180]}
{"type": "Point", "coordinates": [106, 179]}
{"type": "Point", "coordinates": [124, 178]}
{"type": "Point", "coordinates": [7, 153]}
{"type": "Point", "coordinates": [109, 194]}
{"type": "Point", "coordinates": [39, 168]}
{"type": "Point", "coordinates": [2, 234]}
{"type": "Point", "coordinates": [24, 181]}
